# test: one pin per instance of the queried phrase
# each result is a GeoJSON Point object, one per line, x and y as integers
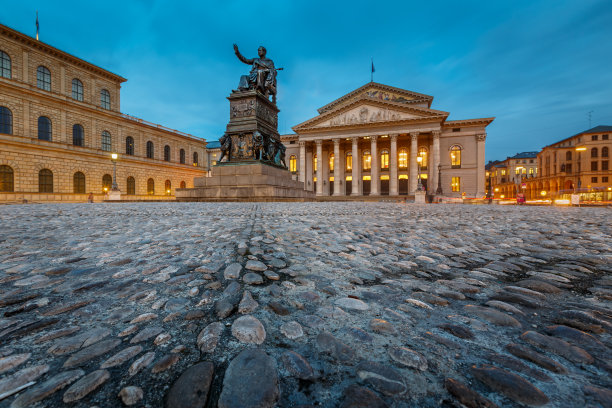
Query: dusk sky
{"type": "Point", "coordinates": [539, 67]}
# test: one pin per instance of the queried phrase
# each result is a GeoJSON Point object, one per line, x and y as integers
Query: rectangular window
{"type": "Point", "coordinates": [593, 179]}
{"type": "Point", "coordinates": [594, 137]}
{"type": "Point", "coordinates": [349, 162]}
{"type": "Point", "coordinates": [604, 137]}
{"type": "Point", "coordinates": [604, 179]}
{"type": "Point", "coordinates": [456, 184]}
{"type": "Point", "coordinates": [593, 166]}
{"type": "Point", "coordinates": [604, 165]}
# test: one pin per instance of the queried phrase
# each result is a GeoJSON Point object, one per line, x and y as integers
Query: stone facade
{"type": "Point", "coordinates": [505, 177]}
{"type": "Point", "coordinates": [22, 149]}
{"type": "Point", "coordinates": [375, 135]}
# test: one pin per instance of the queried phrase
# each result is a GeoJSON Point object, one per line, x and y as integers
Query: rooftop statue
{"type": "Point", "coordinates": [262, 76]}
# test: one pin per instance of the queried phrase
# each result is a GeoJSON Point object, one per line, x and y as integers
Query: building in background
{"type": "Point", "coordinates": [578, 164]}
{"type": "Point", "coordinates": [505, 178]}
{"type": "Point", "coordinates": [60, 121]}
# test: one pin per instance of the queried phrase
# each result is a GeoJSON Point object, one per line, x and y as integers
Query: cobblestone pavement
{"type": "Point", "coordinates": [304, 304]}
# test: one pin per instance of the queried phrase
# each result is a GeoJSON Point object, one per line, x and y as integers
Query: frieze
{"type": "Point", "coordinates": [365, 115]}
{"type": "Point", "coordinates": [241, 109]}
{"type": "Point", "coordinates": [267, 114]}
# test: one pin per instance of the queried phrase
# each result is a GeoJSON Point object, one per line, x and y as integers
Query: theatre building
{"type": "Point", "coordinates": [381, 140]}
{"type": "Point", "coordinates": [60, 121]}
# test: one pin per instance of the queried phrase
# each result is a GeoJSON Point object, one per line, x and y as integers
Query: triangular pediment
{"type": "Point", "coordinates": [365, 111]}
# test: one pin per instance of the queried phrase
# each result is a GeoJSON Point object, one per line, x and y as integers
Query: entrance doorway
{"type": "Point", "coordinates": [331, 188]}
{"type": "Point", "coordinates": [348, 187]}
{"type": "Point", "coordinates": [384, 187]}
{"type": "Point", "coordinates": [366, 187]}
{"type": "Point", "coordinates": [403, 186]}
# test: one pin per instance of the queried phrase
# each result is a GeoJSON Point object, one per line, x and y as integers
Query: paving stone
{"type": "Point", "coordinates": [352, 304]}
{"type": "Point", "coordinates": [141, 363]}
{"type": "Point", "coordinates": [254, 265]}
{"type": "Point", "coordinates": [122, 356]}
{"type": "Point", "coordinates": [248, 329]}
{"type": "Point", "coordinates": [297, 365]}
{"type": "Point", "coordinates": [93, 351]}
{"type": "Point", "coordinates": [146, 334]}
{"type": "Point", "coordinates": [292, 330]}
{"type": "Point", "coordinates": [407, 357]}
{"type": "Point", "coordinates": [361, 397]}
{"type": "Point", "coordinates": [382, 377]}
{"type": "Point", "coordinates": [232, 271]}
{"type": "Point", "coordinates": [466, 395]}
{"type": "Point", "coordinates": [209, 337]}
{"type": "Point", "coordinates": [10, 362]}
{"type": "Point", "coordinates": [191, 389]}
{"type": "Point", "coordinates": [247, 304]}
{"type": "Point", "coordinates": [47, 388]}
{"type": "Point", "coordinates": [86, 385]}
{"type": "Point", "coordinates": [511, 385]}
{"type": "Point", "coordinates": [20, 380]}
{"type": "Point", "coordinates": [165, 363]}
{"type": "Point", "coordinates": [131, 395]}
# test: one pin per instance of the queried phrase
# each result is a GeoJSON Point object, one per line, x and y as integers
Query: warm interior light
{"type": "Point", "coordinates": [496, 189]}
{"type": "Point", "coordinates": [168, 191]}
{"type": "Point", "coordinates": [581, 149]}
{"type": "Point", "coordinates": [543, 193]}
{"type": "Point", "coordinates": [503, 196]}
{"type": "Point", "coordinates": [105, 188]}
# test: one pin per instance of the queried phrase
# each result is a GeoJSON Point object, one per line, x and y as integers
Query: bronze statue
{"type": "Point", "coordinates": [262, 76]}
{"type": "Point", "coordinates": [226, 147]}
{"type": "Point", "coordinates": [281, 153]}
{"type": "Point", "coordinates": [258, 145]}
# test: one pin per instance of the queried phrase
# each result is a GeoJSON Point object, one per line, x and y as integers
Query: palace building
{"type": "Point", "coordinates": [60, 121]}
{"type": "Point", "coordinates": [382, 140]}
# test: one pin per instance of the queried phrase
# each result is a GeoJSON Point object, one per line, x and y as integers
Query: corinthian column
{"type": "Point", "coordinates": [337, 169]}
{"type": "Point", "coordinates": [374, 172]}
{"type": "Point", "coordinates": [436, 160]}
{"type": "Point", "coordinates": [480, 163]}
{"type": "Point", "coordinates": [413, 161]}
{"type": "Point", "coordinates": [302, 169]}
{"type": "Point", "coordinates": [393, 166]}
{"type": "Point", "coordinates": [319, 144]}
{"type": "Point", "coordinates": [355, 170]}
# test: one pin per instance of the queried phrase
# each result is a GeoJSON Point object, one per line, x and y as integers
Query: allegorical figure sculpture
{"type": "Point", "coordinates": [226, 147]}
{"type": "Point", "coordinates": [262, 76]}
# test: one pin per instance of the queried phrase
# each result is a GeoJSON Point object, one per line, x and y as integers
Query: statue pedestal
{"type": "Point", "coordinates": [114, 195]}
{"type": "Point", "coordinates": [419, 197]}
{"type": "Point", "coordinates": [245, 181]}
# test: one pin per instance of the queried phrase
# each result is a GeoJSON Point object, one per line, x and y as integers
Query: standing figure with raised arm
{"type": "Point", "coordinates": [262, 76]}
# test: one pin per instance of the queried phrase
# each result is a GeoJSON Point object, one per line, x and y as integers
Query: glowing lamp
{"type": "Point", "coordinates": [543, 193]}
{"type": "Point", "coordinates": [581, 149]}
{"type": "Point", "coordinates": [114, 156]}
{"type": "Point", "coordinates": [419, 159]}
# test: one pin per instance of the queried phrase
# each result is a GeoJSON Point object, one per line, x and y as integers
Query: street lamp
{"type": "Point", "coordinates": [419, 185]}
{"type": "Point", "coordinates": [439, 189]}
{"type": "Point", "coordinates": [114, 157]}
{"type": "Point", "coordinates": [579, 149]}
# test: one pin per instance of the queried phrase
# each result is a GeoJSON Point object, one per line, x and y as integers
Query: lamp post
{"type": "Point", "coordinates": [579, 149]}
{"type": "Point", "coordinates": [419, 185]}
{"type": "Point", "coordinates": [439, 189]}
{"type": "Point", "coordinates": [114, 158]}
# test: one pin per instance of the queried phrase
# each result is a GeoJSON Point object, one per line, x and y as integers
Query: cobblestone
{"type": "Point", "coordinates": [378, 303]}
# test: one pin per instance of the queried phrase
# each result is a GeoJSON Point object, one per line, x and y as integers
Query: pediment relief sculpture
{"type": "Point", "coordinates": [366, 114]}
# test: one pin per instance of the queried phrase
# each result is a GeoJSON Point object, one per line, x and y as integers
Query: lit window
{"type": "Point", "coordinates": [131, 186]}
{"type": "Point", "coordinates": [168, 187]}
{"type": "Point", "coordinates": [503, 172]}
{"type": "Point", "coordinates": [6, 121]}
{"type": "Point", "coordinates": [423, 154]}
{"type": "Point", "coordinates": [349, 161]}
{"type": "Point", "coordinates": [195, 158]}
{"type": "Point", "coordinates": [314, 162]}
{"type": "Point", "coordinates": [104, 99]}
{"type": "Point", "coordinates": [331, 161]}
{"type": "Point", "coordinates": [531, 170]}
{"type": "Point", "coordinates": [5, 65]}
{"type": "Point", "coordinates": [150, 186]}
{"type": "Point", "coordinates": [78, 182]}
{"type": "Point", "coordinates": [384, 159]}
{"type": "Point", "coordinates": [44, 128]}
{"type": "Point", "coordinates": [106, 141]}
{"type": "Point", "coordinates": [293, 163]}
{"type": "Point", "coordinates": [7, 177]}
{"type": "Point", "coordinates": [455, 155]}
{"type": "Point", "coordinates": [403, 158]}
{"type": "Point", "coordinates": [107, 182]}
{"type": "Point", "coordinates": [77, 90]}
{"type": "Point", "coordinates": [78, 137]}
{"type": "Point", "coordinates": [456, 184]}
{"type": "Point", "coordinates": [367, 160]}
{"type": "Point", "coordinates": [45, 181]}
{"type": "Point", "coordinates": [43, 78]}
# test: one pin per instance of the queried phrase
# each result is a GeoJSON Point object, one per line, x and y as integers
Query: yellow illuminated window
{"type": "Point", "coordinates": [403, 177]}
{"type": "Point", "coordinates": [367, 160]}
{"type": "Point", "coordinates": [331, 178]}
{"type": "Point", "coordinates": [531, 170]}
{"type": "Point", "coordinates": [349, 161]}
{"type": "Point", "coordinates": [349, 178]}
{"type": "Point", "coordinates": [384, 159]}
{"type": "Point", "coordinates": [367, 178]}
{"type": "Point", "coordinates": [384, 177]}
{"type": "Point", "coordinates": [456, 184]}
{"type": "Point", "coordinates": [423, 154]}
{"type": "Point", "coordinates": [423, 176]}
{"type": "Point", "coordinates": [455, 155]}
{"type": "Point", "coordinates": [293, 163]}
{"type": "Point", "coordinates": [331, 161]}
{"type": "Point", "coordinates": [503, 172]}
{"type": "Point", "coordinates": [403, 158]}
{"type": "Point", "coordinates": [517, 171]}
{"type": "Point", "coordinates": [314, 162]}
{"type": "Point", "coordinates": [314, 179]}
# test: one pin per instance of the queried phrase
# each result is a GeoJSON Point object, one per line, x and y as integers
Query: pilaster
{"type": "Point", "coordinates": [375, 171]}
{"type": "Point", "coordinates": [393, 166]}
{"type": "Point", "coordinates": [356, 166]}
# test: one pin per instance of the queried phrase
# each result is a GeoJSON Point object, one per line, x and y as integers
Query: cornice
{"type": "Point", "coordinates": [373, 125]}
{"type": "Point", "coordinates": [468, 122]}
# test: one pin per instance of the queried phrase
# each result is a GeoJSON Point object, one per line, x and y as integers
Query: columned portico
{"type": "Point", "coordinates": [375, 171]}
{"type": "Point", "coordinates": [413, 161]}
{"type": "Point", "coordinates": [319, 144]}
{"type": "Point", "coordinates": [302, 174]}
{"type": "Point", "coordinates": [356, 178]}
{"type": "Point", "coordinates": [393, 166]}
{"type": "Point", "coordinates": [338, 185]}
{"type": "Point", "coordinates": [436, 160]}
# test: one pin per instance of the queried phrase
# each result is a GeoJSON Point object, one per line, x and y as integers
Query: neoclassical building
{"type": "Point", "coordinates": [60, 121]}
{"type": "Point", "coordinates": [382, 140]}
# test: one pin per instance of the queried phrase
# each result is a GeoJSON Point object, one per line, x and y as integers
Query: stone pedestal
{"type": "Point", "coordinates": [114, 195]}
{"type": "Point", "coordinates": [245, 181]}
{"type": "Point", "coordinates": [419, 197]}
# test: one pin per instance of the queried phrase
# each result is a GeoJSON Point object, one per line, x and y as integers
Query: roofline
{"type": "Point", "coordinates": [34, 43]}
{"type": "Point", "coordinates": [450, 123]}
{"type": "Point", "coordinates": [585, 132]}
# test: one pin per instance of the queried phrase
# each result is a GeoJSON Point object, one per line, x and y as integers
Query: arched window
{"type": "Point", "coordinates": [292, 163]}
{"type": "Point", "coordinates": [183, 184]}
{"type": "Point", "coordinates": [331, 161]}
{"type": "Point", "coordinates": [568, 156]}
{"type": "Point", "coordinates": [195, 158]}
{"type": "Point", "coordinates": [367, 160]}
{"type": "Point", "coordinates": [129, 145]}
{"type": "Point", "coordinates": [314, 162]}
{"type": "Point", "coordinates": [78, 183]}
{"type": "Point", "coordinates": [104, 99]}
{"type": "Point", "coordinates": [604, 152]}
{"type": "Point", "coordinates": [6, 120]}
{"type": "Point", "coordinates": [168, 187]}
{"type": "Point", "coordinates": [106, 141]}
{"type": "Point", "coordinates": [349, 161]}
{"type": "Point", "coordinates": [43, 78]}
{"type": "Point", "coordinates": [45, 181]}
{"type": "Point", "coordinates": [131, 186]}
{"type": "Point", "coordinates": [182, 156]}
{"type": "Point", "coordinates": [44, 128]}
{"type": "Point", "coordinates": [594, 152]}
{"type": "Point", "coordinates": [150, 186]}
{"type": "Point", "coordinates": [150, 150]}
{"type": "Point", "coordinates": [77, 90]}
{"type": "Point", "coordinates": [78, 136]}
{"type": "Point", "coordinates": [6, 179]}
{"type": "Point", "coordinates": [403, 158]}
{"type": "Point", "coordinates": [384, 159]}
{"type": "Point", "coordinates": [107, 182]}
{"type": "Point", "coordinates": [166, 153]}
{"type": "Point", "coordinates": [423, 155]}
{"type": "Point", "coordinates": [455, 156]}
{"type": "Point", "coordinates": [5, 65]}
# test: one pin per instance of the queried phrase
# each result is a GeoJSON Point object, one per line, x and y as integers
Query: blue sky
{"type": "Point", "coordinates": [538, 66]}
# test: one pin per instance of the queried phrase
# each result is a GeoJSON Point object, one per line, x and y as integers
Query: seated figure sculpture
{"type": "Point", "coordinates": [262, 76]}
